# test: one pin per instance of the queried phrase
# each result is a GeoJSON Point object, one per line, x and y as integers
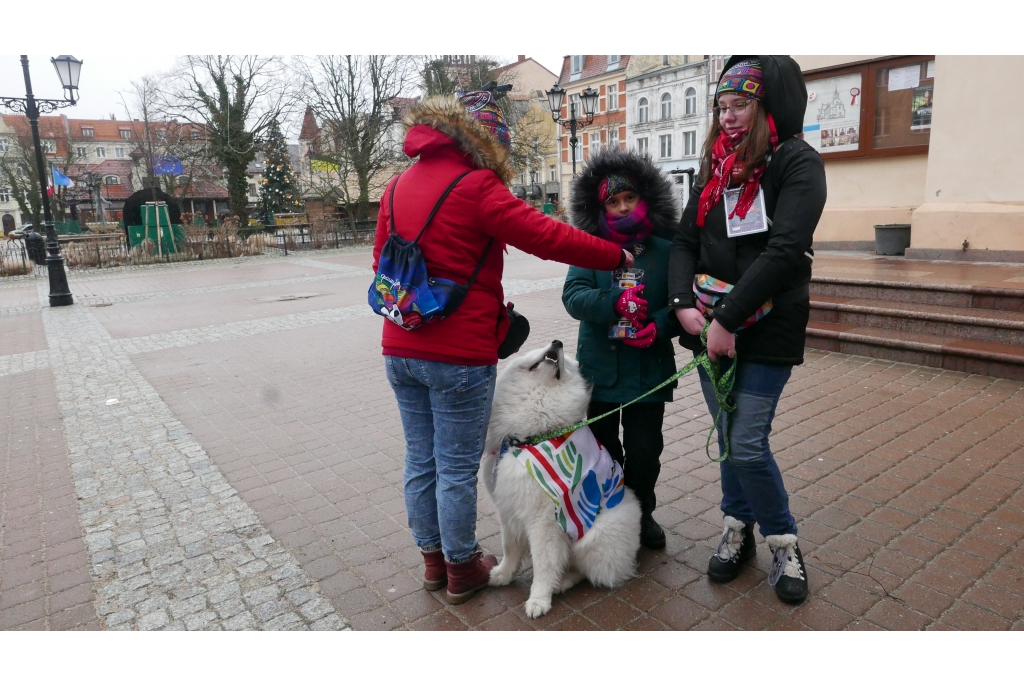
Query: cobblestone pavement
{"type": "Point", "coordinates": [249, 474]}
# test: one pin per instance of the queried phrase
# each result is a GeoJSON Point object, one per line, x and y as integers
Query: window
{"type": "Point", "coordinates": [119, 152]}
{"type": "Point", "coordinates": [101, 152]}
{"type": "Point", "coordinates": [613, 139]}
{"type": "Point", "coordinates": [536, 145]}
{"type": "Point", "coordinates": [552, 173]}
{"type": "Point", "coordinates": [666, 106]}
{"type": "Point", "coordinates": [161, 134]}
{"type": "Point", "coordinates": [690, 98]}
{"type": "Point", "coordinates": [80, 151]}
{"type": "Point", "coordinates": [666, 146]}
{"type": "Point", "coordinates": [5, 145]}
{"type": "Point", "coordinates": [877, 108]}
{"type": "Point", "coordinates": [689, 143]}
{"type": "Point", "coordinates": [641, 111]}
{"type": "Point", "coordinates": [641, 146]}
{"type": "Point", "coordinates": [576, 104]}
{"type": "Point", "coordinates": [252, 189]}
{"type": "Point", "coordinates": [194, 135]}
{"type": "Point", "coordinates": [87, 132]}
{"type": "Point", "coordinates": [534, 176]}
{"type": "Point", "coordinates": [613, 97]}
{"type": "Point", "coordinates": [613, 62]}
{"type": "Point", "coordinates": [595, 143]}
{"type": "Point", "coordinates": [577, 64]}
{"type": "Point", "coordinates": [49, 146]}
{"type": "Point", "coordinates": [126, 133]}
{"type": "Point", "coordinates": [111, 181]}
{"type": "Point", "coordinates": [522, 178]}
{"type": "Point", "coordinates": [575, 151]}
{"type": "Point", "coordinates": [664, 60]}
{"type": "Point", "coordinates": [5, 194]}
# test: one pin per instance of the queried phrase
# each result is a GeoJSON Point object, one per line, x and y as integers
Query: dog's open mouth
{"type": "Point", "coordinates": [552, 355]}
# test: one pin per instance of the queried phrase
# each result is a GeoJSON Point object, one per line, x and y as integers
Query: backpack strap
{"type": "Point", "coordinates": [480, 265]}
{"type": "Point", "coordinates": [444, 195]}
{"type": "Point", "coordinates": [391, 205]}
{"type": "Point", "coordinates": [440, 201]}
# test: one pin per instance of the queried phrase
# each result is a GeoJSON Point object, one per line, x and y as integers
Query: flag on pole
{"type": "Point", "coordinates": [167, 166]}
{"type": "Point", "coordinates": [60, 179]}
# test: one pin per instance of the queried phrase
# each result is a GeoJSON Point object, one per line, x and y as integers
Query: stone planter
{"type": "Point", "coordinates": [892, 239]}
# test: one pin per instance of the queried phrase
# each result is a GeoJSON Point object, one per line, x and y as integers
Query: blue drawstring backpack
{"type": "Point", "coordinates": [401, 291]}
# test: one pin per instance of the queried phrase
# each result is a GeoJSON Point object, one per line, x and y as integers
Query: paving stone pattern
{"type": "Point", "coordinates": [171, 544]}
{"type": "Point", "coordinates": [250, 476]}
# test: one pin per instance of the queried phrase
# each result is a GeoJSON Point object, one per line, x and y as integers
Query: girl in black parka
{"type": "Point", "coordinates": [622, 197]}
{"type": "Point", "coordinates": [754, 290]}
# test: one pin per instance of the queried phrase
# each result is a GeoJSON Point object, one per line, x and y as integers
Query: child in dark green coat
{"type": "Point", "coordinates": [626, 326]}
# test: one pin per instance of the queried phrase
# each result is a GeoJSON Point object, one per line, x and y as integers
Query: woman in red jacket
{"type": "Point", "coordinates": [443, 373]}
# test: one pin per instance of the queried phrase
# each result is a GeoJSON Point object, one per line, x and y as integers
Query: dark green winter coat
{"type": "Point", "coordinates": [618, 372]}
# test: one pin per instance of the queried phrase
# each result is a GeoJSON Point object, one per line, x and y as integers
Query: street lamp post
{"type": "Point", "coordinates": [68, 69]}
{"type": "Point", "coordinates": [556, 96]}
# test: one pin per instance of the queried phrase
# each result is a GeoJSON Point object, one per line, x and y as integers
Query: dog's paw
{"type": "Point", "coordinates": [500, 575]}
{"type": "Point", "coordinates": [535, 608]}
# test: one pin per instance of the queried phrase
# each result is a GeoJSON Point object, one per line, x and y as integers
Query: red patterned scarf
{"type": "Point", "coordinates": [724, 165]}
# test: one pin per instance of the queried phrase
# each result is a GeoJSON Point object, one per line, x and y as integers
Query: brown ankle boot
{"type": "Point", "coordinates": [435, 576]}
{"type": "Point", "coordinates": [465, 579]}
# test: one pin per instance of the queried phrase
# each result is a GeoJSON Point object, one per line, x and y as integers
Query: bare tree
{"type": "Point", "coordinates": [161, 136]}
{"type": "Point", "coordinates": [232, 99]}
{"type": "Point", "coordinates": [351, 96]}
{"type": "Point", "coordinates": [19, 171]}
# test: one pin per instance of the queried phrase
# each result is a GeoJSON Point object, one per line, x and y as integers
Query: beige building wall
{"type": "Point", "coordinates": [974, 189]}
{"type": "Point", "coordinates": [967, 188]}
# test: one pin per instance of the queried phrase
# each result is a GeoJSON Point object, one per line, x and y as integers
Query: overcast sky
{"type": "Point", "coordinates": [105, 77]}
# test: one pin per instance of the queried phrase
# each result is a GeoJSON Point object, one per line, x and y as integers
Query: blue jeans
{"type": "Point", "coordinates": [752, 488]}
{"type": "Point", "coordinates": [445, 409]}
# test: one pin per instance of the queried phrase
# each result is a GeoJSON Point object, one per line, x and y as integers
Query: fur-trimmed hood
{"type": "Point", "coordinates": [446, 115]}
{"type": "Point", "coordinates": [662, 198]}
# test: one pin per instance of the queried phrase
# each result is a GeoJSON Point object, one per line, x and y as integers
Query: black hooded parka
{"type": "Point", "coordinates": [775, 264]}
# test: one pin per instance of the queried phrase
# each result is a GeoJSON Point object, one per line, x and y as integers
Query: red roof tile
{"type": "Point", "coordinates": [593, 65]}
{"type": "Point", "coordinates": [309, 127]}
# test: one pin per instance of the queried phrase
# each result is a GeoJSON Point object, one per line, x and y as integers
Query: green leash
{"type": "Point", "coordinates": [722, 383]}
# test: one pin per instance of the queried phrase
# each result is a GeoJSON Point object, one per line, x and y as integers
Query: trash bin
{"type": "Point", "coordinates": [892, 239]}
{"type": "Point", "coordinates": [36, 247]}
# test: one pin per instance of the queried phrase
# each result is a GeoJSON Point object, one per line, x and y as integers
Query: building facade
{"type": "Point", "coordinates": [667, 111]}
{"type": "Point", "coordinates": [905, 141]}
{"type": "Point", "coordinates": [108, 161]}
{"type": "Point", "coordinates": [607, 75]}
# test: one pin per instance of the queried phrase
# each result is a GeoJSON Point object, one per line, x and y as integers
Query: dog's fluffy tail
{"type": "Point", "coordinates": [489, 463]}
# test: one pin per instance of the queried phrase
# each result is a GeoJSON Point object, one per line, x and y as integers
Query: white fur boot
{"type": "Point", "coordinates": [735, 547]}
{"type": "Point", "coordinates": [788, 574]}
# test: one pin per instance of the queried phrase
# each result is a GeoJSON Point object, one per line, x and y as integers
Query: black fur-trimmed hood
{"type": "Point", "coordinates": [662, 198]}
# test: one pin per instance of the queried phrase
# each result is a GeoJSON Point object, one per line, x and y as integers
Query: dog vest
{"type": "Point", "coordinates": [578, 474]}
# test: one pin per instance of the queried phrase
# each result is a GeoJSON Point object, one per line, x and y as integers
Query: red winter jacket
{"type": "Point", "coordinates": [480, 207]}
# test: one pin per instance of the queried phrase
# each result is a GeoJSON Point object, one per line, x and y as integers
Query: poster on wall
{"type": "Point", "coordinates": [921, 108]}
{"type": "Point", "coordinates": [832, 117]}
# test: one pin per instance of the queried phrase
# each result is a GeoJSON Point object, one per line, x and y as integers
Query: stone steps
{"type": "Point", "coordinates": [974, 329]}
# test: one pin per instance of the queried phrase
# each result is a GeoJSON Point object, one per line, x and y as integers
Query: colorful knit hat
{"type": "Point", "coordinates": [614, 184]}
{"type": "Point", "coordinates": [743, 78]}
{"type": "Point", "coordinates": [481, 105]}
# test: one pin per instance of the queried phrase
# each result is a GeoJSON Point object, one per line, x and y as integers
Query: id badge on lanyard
{"type": "Point", "coordinates": [756, 220]}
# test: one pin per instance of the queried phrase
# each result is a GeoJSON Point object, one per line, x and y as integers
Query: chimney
{"type": "Point", "coordinates": [522, 58]}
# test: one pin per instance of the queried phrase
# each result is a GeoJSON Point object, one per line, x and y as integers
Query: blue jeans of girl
{"type": "Point", "coordinates": [752, 487]}
{"type": "Point", "coordinates": [445, 409]}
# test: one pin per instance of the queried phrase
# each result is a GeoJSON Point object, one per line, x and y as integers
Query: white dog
{"type": "Point", "coordinates": [542, 391]}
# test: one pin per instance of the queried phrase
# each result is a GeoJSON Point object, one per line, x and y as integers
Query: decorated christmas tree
{"type": "Point", "coordinates": [278, 191]}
